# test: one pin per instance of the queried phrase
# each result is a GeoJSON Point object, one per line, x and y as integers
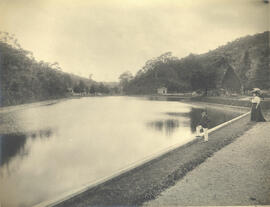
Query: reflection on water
{"type": "Point", "coordinates": [168, 126]}
{"type": "Point", "coordinates": [164, 98]}
{"type": "Point", "coordinates": [13, 144]}
{"type": "Point", "coordinates": [191, 118]}
{"type": "Point", "coordinates": [178, 114]}
{"type": "Point", "coordinates": [49, 150]}
{"type": "Point", "coordinates": [216, 116]}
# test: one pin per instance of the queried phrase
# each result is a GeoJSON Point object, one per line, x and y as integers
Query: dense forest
{"type": "Point", "coordinates": [24, 79]}
{"type": "Point", "coordinates": [235, 67]}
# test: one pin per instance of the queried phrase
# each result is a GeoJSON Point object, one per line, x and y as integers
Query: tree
{"type": "Point", "coordinates": [92, 89]}
{"type": "Point", "coordinates": [125, 78]}
{"type": "Point", "coordinates": [203, 80]}
{"type": "Point", "coordinates": [82, 86]}
{"type": "Point", "coordinates": [24, 79]}
{"type": "Point", "coordinates": [90, 76]}
{"type": "Point", "coordinates": [245, 67]}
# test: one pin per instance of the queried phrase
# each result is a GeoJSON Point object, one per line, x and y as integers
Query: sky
{"type": "Point", "coordinates": [108, 37]}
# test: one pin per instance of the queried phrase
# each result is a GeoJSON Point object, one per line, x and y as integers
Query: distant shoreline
{"type": "Point", "coordinates": [241, 101]}
{"type": "Point", "coordinates": [4, 109]}
{"type": "Point", "coordinates": [228, 101]}
{"type": "Point", "coordinates": [54, 101]}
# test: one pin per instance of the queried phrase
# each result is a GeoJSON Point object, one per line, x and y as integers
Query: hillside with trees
{"type": "Point", "coordinates": [24, 79]}
{"type": "Point", "coordinates": [235, 67]}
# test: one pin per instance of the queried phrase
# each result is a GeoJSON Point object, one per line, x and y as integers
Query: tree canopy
{"type": "Point", "coordinates": [24, 79]}
{"type": "Point", "coordinates": [245, 61]}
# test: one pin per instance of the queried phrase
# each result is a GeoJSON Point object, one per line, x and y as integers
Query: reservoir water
{"type": "Point", "coordinates": [49, 150]}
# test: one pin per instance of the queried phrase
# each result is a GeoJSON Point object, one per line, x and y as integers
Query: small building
{"type": "Point", "coordinates": [162, 90]}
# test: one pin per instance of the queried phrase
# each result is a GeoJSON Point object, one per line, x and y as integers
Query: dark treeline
{"type": "Point", "coordinates": [24, 80]}
{"type": "Point", "coordinates": [236, 67]}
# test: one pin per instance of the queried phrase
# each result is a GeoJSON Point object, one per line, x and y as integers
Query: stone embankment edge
{"type": "Point", "coordinates": [71, 194]}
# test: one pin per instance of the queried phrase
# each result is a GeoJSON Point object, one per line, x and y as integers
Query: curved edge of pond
{"type": "Point", "coordinates": [99, 189]}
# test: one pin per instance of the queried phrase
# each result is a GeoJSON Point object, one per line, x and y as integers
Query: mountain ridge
{"type": "Point", "coordinates": [246, 59]}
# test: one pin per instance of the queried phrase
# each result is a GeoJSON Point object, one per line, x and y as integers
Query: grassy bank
{"type": "Point", "coordinates": [149, 180]}
{"type": "Point", "coordinates": [231, 101]}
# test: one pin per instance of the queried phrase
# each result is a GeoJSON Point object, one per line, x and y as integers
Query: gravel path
{"type": "Point", "coordinates": [238, 174]}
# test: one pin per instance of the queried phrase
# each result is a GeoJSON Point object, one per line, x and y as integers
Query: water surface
{"type": "Point", "coordinates": [49, 150]}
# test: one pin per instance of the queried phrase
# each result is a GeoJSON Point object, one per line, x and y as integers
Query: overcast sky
{"type": "Point", "coordinates": [108, 37]}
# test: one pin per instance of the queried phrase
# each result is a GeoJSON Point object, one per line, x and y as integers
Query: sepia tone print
{"type": "Point", "coordinates": [134, 103]}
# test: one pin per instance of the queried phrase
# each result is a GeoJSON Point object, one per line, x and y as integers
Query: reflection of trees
{"type": "Point", "coordinates": [215, 116]}
{"type": "Point", "coordinates": [168, 125]}
{"type": "Point", "coordinates": [178, 114]}
{"type": "Point", "coordinates": [12, 145]}
{"type": "Point", "coordinates": [218, 117]}
{"type": "Point", "coordinates": [195, 115]}
{"type": "Point", "coordinates": [164, 98]}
